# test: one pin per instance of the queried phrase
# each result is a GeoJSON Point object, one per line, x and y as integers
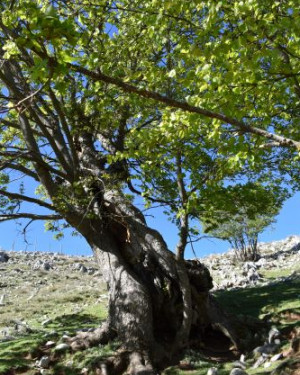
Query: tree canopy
{"type": "Point", "coordinates": [177, 95]}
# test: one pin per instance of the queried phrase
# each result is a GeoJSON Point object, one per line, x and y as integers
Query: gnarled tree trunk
{"type": "Point", "coordinates": [157, 304]}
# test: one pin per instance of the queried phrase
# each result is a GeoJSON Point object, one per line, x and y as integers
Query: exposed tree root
{"type": "Point", "coordinates": [84, 340]}
{"type": "Point", "coordinates": [124, 362]}
{"type": "Point", "coordinates": [139, 364]}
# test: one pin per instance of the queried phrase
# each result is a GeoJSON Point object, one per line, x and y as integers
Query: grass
{"type": "Point", "coordinates": [277, 301]}
{"type": "Point", "coordinates": [18, 354]}
{"type": "Point", "coordinates": [258, 301]}
{"type": "Point", "coordinates": [72, 302]}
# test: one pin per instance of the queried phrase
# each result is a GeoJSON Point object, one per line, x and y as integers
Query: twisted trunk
{"type": "Point", "coordinates": [157, 304]}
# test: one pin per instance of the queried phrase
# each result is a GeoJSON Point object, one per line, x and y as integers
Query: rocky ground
{"type": "Point", "coordinates": [36, 287]}
{"type": "Point", "coordinates": [45, 297]}
{"type": "Point", "coordinates": [279, 261]}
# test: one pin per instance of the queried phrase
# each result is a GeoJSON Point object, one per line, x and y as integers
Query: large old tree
{"type": "Point", "coordinates": [102, 97]}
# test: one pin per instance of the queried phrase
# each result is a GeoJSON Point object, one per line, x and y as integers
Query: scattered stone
{"type": "Point", "coordinates": [261, 262]}
{"type": "Point", "coordinates": [232, 274]}
{"type": "Point", "coordinates": [44, 362]}
{"type": "Point", "coordinates": [42, 265]}
{"type": "Point", "coordinates": [80, 267]}
{"type": "Point", "coordinates": [266, 349]}
{"type": "Point", "coordinates": [46, 266]}
{"type": "Point", "coordinates": [273, 334]}
{"type": "Point", "coordinates": [3, 257]}
{"type": "Point", "coordinates": [276, 357]}
{"type": "Point", "coordinates": [2, 299]}
{"type": "Point", "coordinates": [50, 344]}
{"type": "Point", "coordinates": [240, 365]}
{"type": "Point", "coordinates": [267, 364]}
{"type": "Point", "coordinates": [259, 362]}
{"type": "Point", "coordinates": [46, 322]}
{"type": "Point", "coordinates": [63, 347]}
{"type": "Point", "coordinates": [238, 371]}
{"type": "Point", "coordinates": [212, 371]}
{"type": "Point", "coordinates": [8, 338]}
{"type": "Point", "coordinates": [22, 327]}
{"type": "Point", "coordinates": [65, 337]}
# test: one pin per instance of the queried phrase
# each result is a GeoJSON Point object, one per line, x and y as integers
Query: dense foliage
{"type": "Point", "coordinates": [176, 97]}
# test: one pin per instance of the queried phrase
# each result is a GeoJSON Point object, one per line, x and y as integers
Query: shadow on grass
{"type": "Point", "coordinates": [64, 370]}
{"type": "Point", "coordinates": [74, 322]}
{"type": "Point", "coordinates": [17, 354]}
{"type": "Point", "coordinates": [262, 299]}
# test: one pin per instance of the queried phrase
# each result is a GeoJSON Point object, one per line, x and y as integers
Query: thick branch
{"type": "Point", "coordinates": [60, 112]}
{"type": "Point", "coordinates": [20, 168]}
{"type": "Point", "coordinates": [183, 105]}
{"type": "Point", "coordinates": [50, 128]}
{"type": "Point", "coordinates": [52, 133]}
{"type": "Point", "coordinates": [15, 125]}
{"type": "Point", "coordinates": [184, 217]}
{"type": "Point", "coordinates": [26, 215]}
{"type": "Point", "coordinates": [25, 198]}
{"type": "Point", "coordinates": [42, 172]}
{"type": "Point", "coordinates": [30, 156]}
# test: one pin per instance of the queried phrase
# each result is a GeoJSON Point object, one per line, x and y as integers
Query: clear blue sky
{"type": "Point", "coordinates": [288, 223]}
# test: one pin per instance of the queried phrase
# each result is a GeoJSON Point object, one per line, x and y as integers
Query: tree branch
{"type": "Point", "coordinates": [60, 112]}
{"type": "Point", "coordinates": [20, 168]}
{"type": "Point", "coordinates": [25, 198]}
{"type": "Point", "coordinates": [26, 215]}
{"type": "Point", "coordinates": [183, 105]}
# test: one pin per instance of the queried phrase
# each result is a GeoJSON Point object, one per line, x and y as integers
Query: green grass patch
{"type": "Point", "coordinates": [16, 354]}
{"type": "Point", "coordinates": [261, 300]}
{"type": "Point", "coordinates": [275, 273]}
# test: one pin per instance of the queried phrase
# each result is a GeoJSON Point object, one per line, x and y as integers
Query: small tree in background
{"type": "Point", "coordinates": [240, 213]}
{"type": "Point", "coordinates": [242, 233]}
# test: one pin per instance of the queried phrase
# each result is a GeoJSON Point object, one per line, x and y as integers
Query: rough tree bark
{"type": "Point", "coordinates": [158, 304]}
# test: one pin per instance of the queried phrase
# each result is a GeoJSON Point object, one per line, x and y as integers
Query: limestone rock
{"type": "Point", "coordinates": [50, 344]}
{"type": "Point", "coordinates": [276, 357]}
{"type": "Point", "coordinates": [238, 371]}
{"type": "Point", "coordinates": [266, 349]}
{"type": "Point", "coordinates": [63, 347]}
{"type": "Point", "coordinates": [273, 334]}
{"type": "Point", "coordinates": [44, 362]}
{"type": "Point", "coordinates": [3, 257]}
{"type": "Point", "coordinates": [2, 299]}
{"type": "Point", "coordinates": [240, 365]}
{"type": "Point", "coordinates": [259, 362]}
{"type": "Point", "coordinates": [212, 371]}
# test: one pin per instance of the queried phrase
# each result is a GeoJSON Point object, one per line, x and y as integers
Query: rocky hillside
{"type": "Point", "coordinates": [36, 287]}
{"type": "Point", "coordinates": [46, 297]}
{"type": "Point", "coordinates": [278, 261]}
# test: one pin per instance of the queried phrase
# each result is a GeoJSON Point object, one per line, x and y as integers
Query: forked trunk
{"type": "Point", "coordinates": [157, 305]}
